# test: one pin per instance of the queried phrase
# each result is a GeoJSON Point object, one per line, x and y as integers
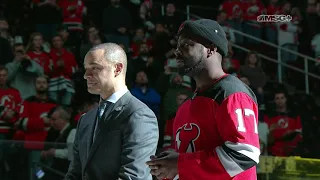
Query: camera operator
{"type": "Point", "coordinates": [22, 72]}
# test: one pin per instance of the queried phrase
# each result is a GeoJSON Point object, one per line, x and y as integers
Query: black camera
{"type": "Point", "coordinates": [25, 63]}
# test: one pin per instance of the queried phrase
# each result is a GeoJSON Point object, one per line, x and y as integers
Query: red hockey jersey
{"type": "Point", "coordinates": [252, 11]}
{"type": "Point", "coordinates": [286, 122]}
{"type": "Point", "coordinates": [216, 133]}
{"type": "Point", "coordinates": [234, 9]}
{"type": "Point", "coordinates": [10, 99]}
{"type": "Point", "coordinates": [35, 129]}
{"type": "Point", "coordinates": [72, 12]}
{"type": "Point", "coordinates": [43, 59]}
{"type": "Point", "coordinates": [70, 64]}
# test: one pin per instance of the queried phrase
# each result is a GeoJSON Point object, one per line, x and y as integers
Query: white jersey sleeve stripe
{"type": "Point", "coordinates": [237, 157]}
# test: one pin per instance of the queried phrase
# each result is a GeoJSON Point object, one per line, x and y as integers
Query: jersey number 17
{"type": "Point", "coordinates": [244, 114]}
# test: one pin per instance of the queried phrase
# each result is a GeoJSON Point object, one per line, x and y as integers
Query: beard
{"type": "Point", "coordinates": [144, 54]}
{"type": "Point", "coordinates": [42, 91]}
{"type": "Point", "coordinates": [191, 69]}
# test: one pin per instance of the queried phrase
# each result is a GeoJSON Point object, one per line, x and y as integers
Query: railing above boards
{"type": "Point", "coordinates": [305, 71]}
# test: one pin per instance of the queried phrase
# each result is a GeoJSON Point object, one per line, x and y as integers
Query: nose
{"type": "Point", "coordinates": [87, 74]}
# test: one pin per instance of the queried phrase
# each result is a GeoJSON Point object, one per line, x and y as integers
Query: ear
{"type": "Point", "coordinates": [211, 50]}
{"type": "Point", "coordinates": [118, 69]}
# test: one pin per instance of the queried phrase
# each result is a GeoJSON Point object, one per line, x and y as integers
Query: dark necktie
{"type": "Point", "coordinates": [103, 106]}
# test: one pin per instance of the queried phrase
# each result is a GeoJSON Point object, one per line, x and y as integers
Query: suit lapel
{"type": "Point", "coordinates": [91, 129]}
{"type": "Point", "coordinates": [108, 116]}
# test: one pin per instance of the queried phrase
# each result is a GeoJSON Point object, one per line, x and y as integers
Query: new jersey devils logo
{"type": "Point", "coordinates": [186, 136]}
{"type": "Point", "coordinates": [7, 101]}
{"type": "Point", "coordinates": [236, 10]}
{"type": "Point", "coordinates": [283, 123]}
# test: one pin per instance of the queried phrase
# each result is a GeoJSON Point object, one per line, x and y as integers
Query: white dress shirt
{"type": "Point", "coordinates": [117, 95]}
{"type": "Point", "coordinates": [66, 153]}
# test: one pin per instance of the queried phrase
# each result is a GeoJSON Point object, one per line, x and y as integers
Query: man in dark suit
{"type": "Point", "coordinates": [114, 140]}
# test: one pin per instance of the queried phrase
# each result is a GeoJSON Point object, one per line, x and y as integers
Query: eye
{"type": "Point", "coordinates": [186, 44]}
{"type": "Point", "coordinates": [96, 68]}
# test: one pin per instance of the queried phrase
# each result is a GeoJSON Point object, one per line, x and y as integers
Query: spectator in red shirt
{"type": "Point", "coordinates": [234, 10]}
{"type": "Point", "coordinates": [73, 12]}
{"type": "Point", "coordinates": [252, 9]}
{"type": "Point", "coordinates": [61, 87]}
{"type": "Point", "coordinates": [271, 28]}
{"type": "Point", "coordinates": [10, 105]}
{"type": "Point", "coordinates": [138, 39]}
{"type": "Point", "coordinates": [284, 127]}
{"type": "Point", "coordinates": [35, 50]}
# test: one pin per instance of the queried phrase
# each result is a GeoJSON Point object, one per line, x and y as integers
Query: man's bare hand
{"type": "Point", "coordinates": [9, 115]}
{"type": "Point", "coordinates": [274, 127]}
{"type": "Point", "coordinates": [60, 63]}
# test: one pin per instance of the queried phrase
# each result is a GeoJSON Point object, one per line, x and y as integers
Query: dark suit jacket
{"type": "Point", "coordinates": [128, 136]}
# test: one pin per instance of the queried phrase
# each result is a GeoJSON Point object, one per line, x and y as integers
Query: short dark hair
{"type": "Point", "coordinates": [280, 91]}
{"type": "Point", "coordinates": [3, 68]}
{"type": "Point", "coordinates": [43, 76]}
{"type": "Point", "coordinates": [63, 113]}
{"type": "Point", "coordinates": [17, 45]}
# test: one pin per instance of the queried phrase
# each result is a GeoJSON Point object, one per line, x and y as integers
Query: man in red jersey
{"type": "Point", "coordinates": [216, 130]}
{"type": "Point", "coordinates": [10, 105]}
{"type": "Point", "coordinates": [284, 127]}
{"type": "Point", "coordinates": [34, 121]}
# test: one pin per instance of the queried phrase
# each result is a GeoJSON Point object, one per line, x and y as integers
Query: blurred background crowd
{"type": "Point", "coordinates": [43, 94]}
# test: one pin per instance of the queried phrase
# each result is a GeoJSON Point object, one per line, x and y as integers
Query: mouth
{"type": "Point", "coordinates": [90, 84]}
